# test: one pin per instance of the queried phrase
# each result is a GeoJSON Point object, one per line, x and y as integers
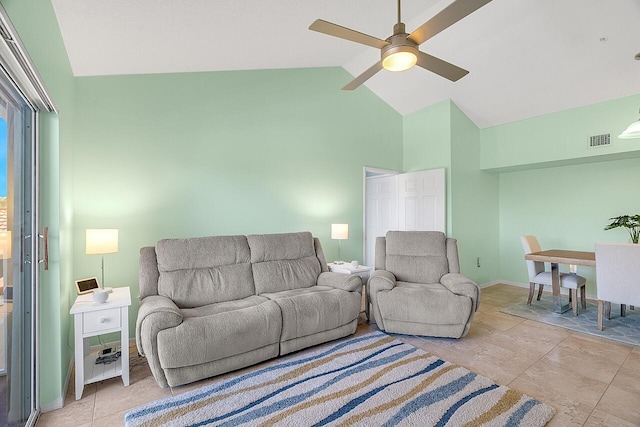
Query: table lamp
{"type": "Point", "coordinates": [101, 241]}
{"type": "Point", "coordinates": [339, 232]}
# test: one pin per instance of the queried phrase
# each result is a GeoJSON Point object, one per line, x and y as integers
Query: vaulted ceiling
{"type": "Point", "coordinates": [526, 57]}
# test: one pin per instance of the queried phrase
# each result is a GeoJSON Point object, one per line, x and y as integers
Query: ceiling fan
{"type": "Point", "coordinates": [399, 51]}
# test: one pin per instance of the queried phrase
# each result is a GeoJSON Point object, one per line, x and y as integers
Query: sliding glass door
{"type": "Point", "coordinates": [17, 266]}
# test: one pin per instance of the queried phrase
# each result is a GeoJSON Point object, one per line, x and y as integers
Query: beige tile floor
{"type": "Point", "coordinates": [589, 380]}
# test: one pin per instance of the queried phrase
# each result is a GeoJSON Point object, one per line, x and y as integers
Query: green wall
{"type": "Point", "coordinates": [37, 26]}
{"type": "Point", "coordinates": [561, 138]}
{"type": "Point", "coordinates": [564, 201]}
{"type": "Point", "coordinates": [442, 136]}
{"type": "Point", "coordinates": [474, 202]}
{"type": "Point", "coordinates": [566, 208]}
{"type": "Point", "coordinates": [162, 156]}
{"type": "Point", "coordinates": [182, 155]}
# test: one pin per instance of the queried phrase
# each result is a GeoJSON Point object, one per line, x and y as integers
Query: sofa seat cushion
{"type": "Point", "coordinates": [316, 309]}
{"type": "Point", "coordinates": [424, 303]}
{"type": "Point", "coordinates": [220, 330]}
{"type": "Point", "coordinates": [281, 262]}
{"type": "Point", "coordinates": [222, 307]}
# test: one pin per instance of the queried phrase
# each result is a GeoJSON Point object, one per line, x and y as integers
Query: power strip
{"type": "Point", "coordinates": [108, 358]}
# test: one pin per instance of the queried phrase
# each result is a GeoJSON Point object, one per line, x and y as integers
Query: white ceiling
{"type": "Point", "coordinates": [526, 57]}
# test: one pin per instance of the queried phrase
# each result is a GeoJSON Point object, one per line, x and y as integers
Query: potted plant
{"type": "Point", "coordinates": [630, 222]}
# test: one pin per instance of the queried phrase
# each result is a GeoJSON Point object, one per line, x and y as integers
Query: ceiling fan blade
{"type": "Point", "coordinates": [440, 67]}
{"type": "Point", "coordinates": [346, 33]}
{"type": "Point", "coordinates": [369, 72]}
{"type": "Point", "coordinates": [445, 18]}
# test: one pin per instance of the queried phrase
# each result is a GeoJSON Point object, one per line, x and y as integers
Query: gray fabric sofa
{"type": "Point", "coordinates": [211, 305]}
{"type": "Point", "coordinates": [417, 287]}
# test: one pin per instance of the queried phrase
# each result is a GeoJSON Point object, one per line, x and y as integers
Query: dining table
{"type": "Point", "coordinates": [561, 256]}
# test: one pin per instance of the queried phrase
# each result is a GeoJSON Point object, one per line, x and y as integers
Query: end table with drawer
{"type": "Point", "coordinates": [361, 270]}
{"type": "Point", "coordinates": [90, 320]}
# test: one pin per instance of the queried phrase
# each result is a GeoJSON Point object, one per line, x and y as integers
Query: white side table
{"type": "Point", "coordinates": [361, 270]}
{"type": "Point", "coordinates": [91, 319]}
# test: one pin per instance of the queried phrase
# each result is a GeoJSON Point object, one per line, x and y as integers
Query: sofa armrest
{"type": "Point", "coordinates": [155, 314]}
{"type": "Point", "coordinates": [346, 282]}
{"type": "Point", "coordinates": [462, 285]}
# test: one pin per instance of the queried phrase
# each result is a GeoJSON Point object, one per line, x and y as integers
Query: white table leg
{"type": "Point", "coordinates": [124, 345]}
{"type": "Point", "coordinates": [79, 356]}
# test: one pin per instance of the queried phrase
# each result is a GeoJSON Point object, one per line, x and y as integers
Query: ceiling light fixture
{"type": "Point", "coordinates": [402, 53]}
{"type": "Point", "coordinates": [632, 131]}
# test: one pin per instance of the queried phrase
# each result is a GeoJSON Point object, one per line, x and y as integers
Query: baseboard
{"type": "Point", "coordinates": [563, 291]}
{"type": "Point", "coordinates": [59, 402]}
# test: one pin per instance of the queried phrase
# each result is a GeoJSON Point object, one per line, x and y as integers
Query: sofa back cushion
{"type": "Point", "coordinates": [282, 262]}
{"type": "Point", "coordinates": [417, 256]}
{"type": "Point", "coordinates": [204, 270]}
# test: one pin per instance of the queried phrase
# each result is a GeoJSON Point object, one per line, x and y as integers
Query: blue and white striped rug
{"type": "Point", "coordinates": [370, 380]}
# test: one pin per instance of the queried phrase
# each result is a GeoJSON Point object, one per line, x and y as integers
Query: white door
{"type": "Point", "coordinates": [421, 198]}
{"type": "Point", "coordinates": [410, 201]}
{"type": "Point", "coordinates": [381, 211]}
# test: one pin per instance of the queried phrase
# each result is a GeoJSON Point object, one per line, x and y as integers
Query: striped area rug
{"type": "Point", "coordinates": [369, 380]}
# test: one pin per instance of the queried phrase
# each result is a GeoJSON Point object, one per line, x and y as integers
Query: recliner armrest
{"type": "Point", "coordinates": [381, 280]}
{"type": "Point", "coordinates": [462, 285]}
{"type": "Point", "coordinates": [346, 282]}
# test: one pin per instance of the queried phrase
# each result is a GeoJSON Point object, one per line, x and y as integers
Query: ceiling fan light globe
{"type": "Point", "coordinates": [399, 57]}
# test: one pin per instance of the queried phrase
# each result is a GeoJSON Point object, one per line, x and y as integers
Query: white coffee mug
{"type": "Point", "coordinates": [354, 264]}
{"type": "Point", "coordinates": [100, 296]}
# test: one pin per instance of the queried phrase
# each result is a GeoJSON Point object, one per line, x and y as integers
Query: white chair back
{"type": "Point", "coordinates": [530, 244]}
{"type": "Point", "coordinates": [618, 272]}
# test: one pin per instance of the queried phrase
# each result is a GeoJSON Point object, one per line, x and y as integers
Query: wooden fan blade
{"type": "Point", "coordinates": [445, 18]}
{"type": "Point", "coordinates": [440, 67]}
{"type": "Point", "coordinates": [369, 72]}
{"type": "Point", "coordinates": [346, 33]}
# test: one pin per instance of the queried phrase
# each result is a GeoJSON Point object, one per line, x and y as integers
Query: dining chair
{"type": "Point", "coordinates": [617, 277]}
{"type": "Point", "coordinates": [538, 274]}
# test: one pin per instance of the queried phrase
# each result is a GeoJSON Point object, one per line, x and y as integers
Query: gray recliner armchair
{"type": "Point", "coordinates": [417, 288]}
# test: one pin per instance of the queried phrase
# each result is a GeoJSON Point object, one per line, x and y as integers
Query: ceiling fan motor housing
{"type": "Point", "coordinates": [401, 53]}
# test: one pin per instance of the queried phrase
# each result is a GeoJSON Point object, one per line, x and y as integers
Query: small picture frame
{"type": "Point", "coordinates": [86, 286]}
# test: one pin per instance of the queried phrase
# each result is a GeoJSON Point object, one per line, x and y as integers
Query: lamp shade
{"type": "Point", "coordinates": [101, 241]}
{"type": "Point", "coordinates": [340, 231]}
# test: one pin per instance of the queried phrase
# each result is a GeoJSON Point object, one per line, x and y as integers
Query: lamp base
{"type": "Point", "coordinates": [338, 262]}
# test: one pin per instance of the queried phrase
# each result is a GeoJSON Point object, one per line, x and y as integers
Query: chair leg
{"type": "Point", "coordinates": [583, 297]}
{"type": "Point", "coordinates": [570, 296]}
{"type": "Point", "coordinates": [540, 288]}
{"type": "Point", "coordinates": [623, 310]}
{"type": "Point", "coordinates": [575, 301]}
{"type": "Point", "coordinates": [600, 313]}
{"type": "Point", "coordinates": [632, 307]}
{"type": "Point", "coordinates": [607, 310]}
{"type": "Point", "coordinates": [532, 289]}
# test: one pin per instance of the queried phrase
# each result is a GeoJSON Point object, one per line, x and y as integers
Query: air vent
{"type": "Point", "coordinates": [600, 140]}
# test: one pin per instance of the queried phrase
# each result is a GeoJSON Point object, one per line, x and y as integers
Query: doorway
{"type": "Point", "coordinates": [401, 201]}
{"type": "Point", "coordinates": [17, 219]}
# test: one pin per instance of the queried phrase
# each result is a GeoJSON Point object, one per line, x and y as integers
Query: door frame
{"type": "Point", "coordinates": [368, 171]}
{"type": "Point", "coordinates": [21, 71]}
